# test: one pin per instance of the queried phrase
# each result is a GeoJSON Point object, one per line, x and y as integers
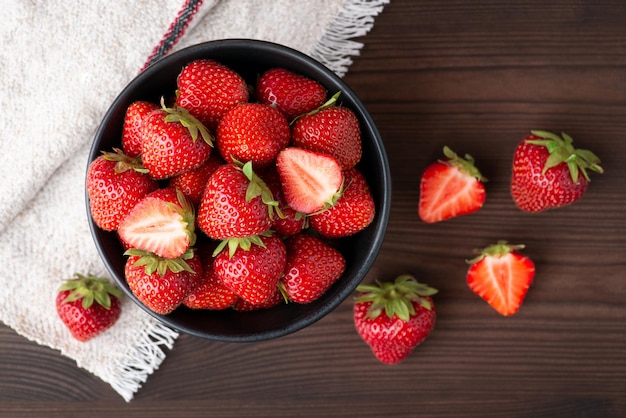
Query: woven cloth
{"type": "Point", "coordinates": [62, 66]}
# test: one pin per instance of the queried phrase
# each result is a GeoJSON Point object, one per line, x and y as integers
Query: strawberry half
{"type": "Point", "coordinates": [501, 276]}
{"type": "Point", "coordinates": [450, 187]}
{"type": "Point", "coordinates": [311, 181]}
{"type": "Point", "coordinates": [163, 223]}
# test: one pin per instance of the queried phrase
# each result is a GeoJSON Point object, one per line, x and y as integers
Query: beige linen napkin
{"type": "Point", "coordinates": [62, 65]}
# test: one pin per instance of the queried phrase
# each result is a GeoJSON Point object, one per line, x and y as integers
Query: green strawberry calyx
{"type": "Point", "coordinates": [561, 150]}
{"type": "Point", "coordinates": [90, 289]}
{"type": "Point", "coordinates": [257, 187]}
{"type": "Point", "coordinates": [330, 102]}
{"type": "Point", "coordinates": [395, 298]}
{"type": "Point", "coordinates": [245, 243]}
{"type": "Point", "coordinates": [154, 263]}
{"type": "Point", "coordinates": [499, 249]}
{"type": "Point", "coordinates": [466, 163]}
{"type": "Point", "coordinates": [193, 125]}
{"type": "Point", "coordinates": [123, 162]}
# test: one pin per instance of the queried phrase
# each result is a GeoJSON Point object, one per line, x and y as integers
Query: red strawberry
{"type": "Point", "coordinates": [333, 130]}
{"type": "Point", "coordinates": [252, 132]}
{"type": "Point", "coordinates": [291, 221]}
{"type": "Point", "coordinates": [162, 284]}
{"type": "Point", "coordinates": [163, 223]}
{"type": "Point", "coordinates": [210, 293]}
{"type": "Point", "coordinates": [501, 276]}
{"type": "Point", "coordinates": [170, 143]}
{"type": "Point", "coordinates": [312, 267]}
{"type": "Point", "coordinates": [253, 274]}
{"type": "Point", "coordinates": [208, 89]}
{"type": "Point", "coordinates": [393, 318]}
{"type": "Point", "coordinates": [242, 305]}
{"type": "Point", "coordinates": [76, 308]}
{"type": "Point", "coordinates": [311, 181]}
{"type": "Point", "coordinates": [548, 172]}
{"type": "Point", "coordinates": [131, 132]}
{"type": "Point", "coordinates": [353, 212]}
{"type": "Point", "coordinates": [293, 94]}
{"type": "Point", "coordinates": [450, 187]}
{"type": "Point", "coordinates": [233, 205]}
{"type": "Point", "coordinates": [193, 182]}
{"type": "Point", "coordinates": [115, 183]}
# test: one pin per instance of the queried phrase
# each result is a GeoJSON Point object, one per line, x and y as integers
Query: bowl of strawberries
{"type": "Point", "coordinates": [238, 190]}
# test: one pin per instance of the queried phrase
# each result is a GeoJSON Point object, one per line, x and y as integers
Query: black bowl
{"type": "Point", "coordinates": [250, 58]}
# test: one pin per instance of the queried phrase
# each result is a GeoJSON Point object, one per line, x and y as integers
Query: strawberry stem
{"type": "Point", "coordinates": [89, 289]}
{"type": "Point", "coordinates": [465, 164]}
{"type": "Point", "coordinates": [495, 250]}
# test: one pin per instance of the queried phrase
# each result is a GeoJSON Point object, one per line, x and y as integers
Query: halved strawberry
{"type": "Point", "coordinates": [450, 187]}
{"type": "Point", "coordinates": [162, 223]}
{"type": "Point", "coordinates": [311, 181]}
{"type": "Point", "coordinates": [501, 276]}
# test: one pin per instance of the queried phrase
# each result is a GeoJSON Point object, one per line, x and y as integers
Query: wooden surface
{"type": "Point", "coordinates": [477, 76]}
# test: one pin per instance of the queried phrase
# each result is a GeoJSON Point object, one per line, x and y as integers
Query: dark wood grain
{"type": "Point", "coordinates": [477, 76]}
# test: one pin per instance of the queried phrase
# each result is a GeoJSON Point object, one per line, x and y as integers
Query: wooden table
{"type": "Point", "coordinates": [477, 76]}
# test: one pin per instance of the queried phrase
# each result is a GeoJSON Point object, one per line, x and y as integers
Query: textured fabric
{"type": "Point", "coordinates": [61, 67]}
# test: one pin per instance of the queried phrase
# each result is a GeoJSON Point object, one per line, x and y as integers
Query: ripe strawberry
{"type": "Point", "coordinates": [253, 274]}
{"type": "Point", "coordinates": [293, 94]}
{"type": "Point", "coordinates": [235, 204]}
{"type": "Point", "coordinates": [242, 305]}
{"type": "Point", "coordinates": [334, 130]}
{"type": "Point", "coordinates": [76, 308]}
{"type": "Point", "coordinates": [115, 183]}
{"type": "Point", "coordinates": [210, 293]}
{"type": "Point", "coordinates": [393, 318]}
{"type": "Point", "coordinates": [501, 276]}
{"type": "Point", "coordinates": [353, 211]}
{"type": "Point", "coordinates": [170, 143]}
{"type": "Point", "coordinates": [311, 181]}
{"type": "Point", "coordinates": [131, 132]}
{"type": "Point", "coordinates": [291, 222]}
{"type": "Point", "coordinates": [163, 223]}
{"type": "Point", "coordinates": [162, 284]}
{"type": "Point", "coordinates": [312, 267]}
{"type": "Point", "coordinates": [548, 172]}
{"type": "Point", "coordinates": [252, 132]}
{"type": "Point", "coordinates": [193, 182]}
{"type": "Point", "coordinates": [208, 89]}
{"type": "Point", "coordinates": [450, 187]}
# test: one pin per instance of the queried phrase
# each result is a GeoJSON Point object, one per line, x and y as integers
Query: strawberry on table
{"type": "Point", "coordinates": [253, 273]}
{"type": "Point", "coordinates": [312, 267]}
{"type": "Point", "coordinates": [311, 181]}
{"type": "Point", "coordinates": [333, 130]}
{"type": "Point", "coordinates": [173, 142]}
{"type": "Point", "coordinates": [131, 131]}
{"type": "Point", "coordinates": [394, 317]}
{"type": "Point", "coordinates": [353, 211]}
{"type": "Point", "coordinates": [163, 223]}
{"type": "Point", "coordinates": [450, 187]}
{"type": "Point", "coordinates": [291, 93]}
{"type": "Point", "coordinates": [88, 305]}
{"type": "Point", "coordinates": [501, 276]}
{"type": "Point", "coordinates": [548, 172]}
{"type": "Point", "coordinates": [115, 183]}
{"type": "Point", "coordinates": [209, 89]}
{"type": "Point", "coordinates": [252, 132]}
{"type": "Point", "coordinates": [162, 284]}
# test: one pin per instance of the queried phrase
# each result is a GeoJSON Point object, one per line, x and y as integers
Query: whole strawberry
{"type": "Point", "coordinates": [394, 317]}
{"type": "Point", "coordinates": [162, 284]}
{"type": "Point", "coordinates": [88, 305]}
{"type": "Point", "coordinates": [173, 142]}
{"type": "Point", "coordinates": [291, 93]}
{"type": "Point", "coordinates": [501, 276]}
{"type": "Point", "coordinates": [548, 172]}
{"type": "Point", "coordinates": [253, 273]}
{"type": "Point", "coordinates": [209, 89]}
{"type": "Point", "coordinates": [193, 182]}
{"type": "Point", "coordinates": [312, 267]}
{"type": "Point", "coordinates": [131, 131]}
{"type": "Point", "coordinates": [115, 183]}
{"type": "Point", "coordinates": [334, 130]}
{"type": "Point", "coordinates": [450, 187]}
{"type": "Point", "coordinates": [353, 212]}
{"type": "Point", "coordinates": [252, 132]}
{"type": "Point", "coordinates": [210, 293]}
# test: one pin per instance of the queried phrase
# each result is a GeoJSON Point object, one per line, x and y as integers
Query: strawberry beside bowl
{"type": "Point", "coordinates": [250, 58]}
